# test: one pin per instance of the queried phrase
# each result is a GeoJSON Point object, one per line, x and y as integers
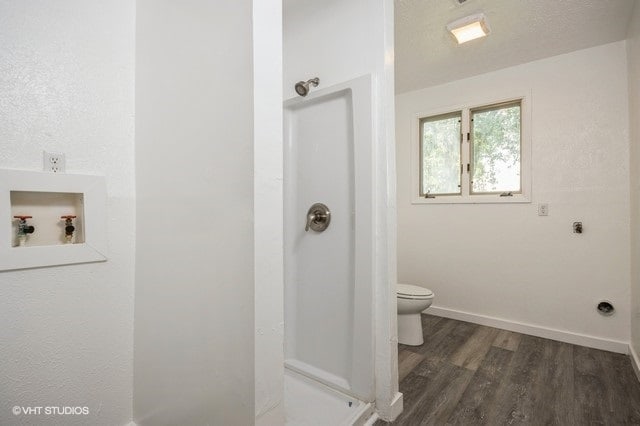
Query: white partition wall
{"type": "Point", "coordinates": [268, 206]}
{"type": "Point", "coordinates": [633, 73]}
{"type": "Point", "coordinates": [194, 317]}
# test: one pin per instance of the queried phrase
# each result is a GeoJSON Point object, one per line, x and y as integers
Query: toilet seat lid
{"type": "Point", "coordinates": [408, 290]}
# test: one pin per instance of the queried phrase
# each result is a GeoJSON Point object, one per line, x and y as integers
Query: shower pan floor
{"type": "Point", "coordinates": [308, 402]}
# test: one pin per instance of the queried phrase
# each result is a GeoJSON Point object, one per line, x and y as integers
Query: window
{"type": "Point", "coordinates": [495, 149]}
{"type": "Point", "coordinates": [473, 155]}
{"type": "Point", "coordinates": [440, 149]}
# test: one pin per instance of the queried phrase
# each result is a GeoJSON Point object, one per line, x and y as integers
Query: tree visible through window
{"type": "Point", "coordinates": [441, 154]}
{"type": "Point", "coordinates": [472, 152]}
{"type": "Point", "coordinates": [496, 149]}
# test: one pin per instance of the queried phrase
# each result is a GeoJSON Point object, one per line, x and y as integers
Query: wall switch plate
{"type": "Point", "coordinates": [543, 209]}
{"type": "Point", "coordinates": [53, 162]}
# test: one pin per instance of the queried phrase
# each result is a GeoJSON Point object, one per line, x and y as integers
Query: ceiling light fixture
{"type": "Point", "coordinates": [469, 28]}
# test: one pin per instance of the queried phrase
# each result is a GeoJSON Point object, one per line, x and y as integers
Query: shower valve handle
{"type": "Point", "coordinates": [318, 218]}
{"type": "Point", "coordinates": [311, 218]}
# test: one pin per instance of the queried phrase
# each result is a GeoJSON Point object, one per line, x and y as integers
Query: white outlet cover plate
{"type": "Point", "coordinates": [543, 209]}
{"type": "Point", "coordinates": [53, 162]}
{"type": "Point", "coordinates": [94, 249]}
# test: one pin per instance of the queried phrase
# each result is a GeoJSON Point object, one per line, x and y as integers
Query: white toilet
{"type": "Point", "coordinates": [411, 301]}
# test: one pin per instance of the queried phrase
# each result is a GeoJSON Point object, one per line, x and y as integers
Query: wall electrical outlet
{"type": "Point", "coordinates": [543, 209]}
{"type": "Point", "coordinates": [53, 162]}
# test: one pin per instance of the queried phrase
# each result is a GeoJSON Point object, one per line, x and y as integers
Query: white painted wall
{"type": "Point", "coordinates": [633, 61]}
{"type": "Point", "coordinates": [194, 318]}
{"type": "Point", "coordinates": [504, 261]}
{"type": "Point", "coordinates": [268, 212]}
{"type": "Point", "coordinates": [337, 42]}
{"type": "Point", "coordinates": [66, 85]}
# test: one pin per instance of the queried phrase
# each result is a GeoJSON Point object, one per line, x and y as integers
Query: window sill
{"type": "Point", "coordinates": [472, 199]}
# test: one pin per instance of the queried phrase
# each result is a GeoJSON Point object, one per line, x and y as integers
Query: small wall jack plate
{"type": "Point", "coordinates": [53, 162]}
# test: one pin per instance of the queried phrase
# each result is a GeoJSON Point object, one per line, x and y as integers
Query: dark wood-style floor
{"type": "Point", "coordinates": [468, 374]}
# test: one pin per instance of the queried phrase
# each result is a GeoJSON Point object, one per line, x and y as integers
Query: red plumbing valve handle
{"type": "Point", "coordinates": [23, 217]}
{"type": "Point", "coordinates": [69, 228]}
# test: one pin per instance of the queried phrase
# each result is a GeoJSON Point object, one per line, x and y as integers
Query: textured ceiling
{"type": "Point", "coordinates": [521, 31]}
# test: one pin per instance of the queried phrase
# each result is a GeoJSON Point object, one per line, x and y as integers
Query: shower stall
{"type": "Point", "coordinates": [340, 341]}
{"type": "Point", "coordinates": [328, 223]}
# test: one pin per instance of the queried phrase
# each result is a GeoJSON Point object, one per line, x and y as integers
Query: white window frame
{"type": "Point", "coordinates": [466, 197]}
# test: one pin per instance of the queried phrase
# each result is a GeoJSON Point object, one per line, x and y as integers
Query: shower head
{"type": "Point", "coordinates": [302, 87]}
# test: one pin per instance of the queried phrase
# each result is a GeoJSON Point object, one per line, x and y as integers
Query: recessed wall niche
{"type": "Point", "coordinates": [49, 212]}
{"type": "Point", "coordinates": [49, 219]}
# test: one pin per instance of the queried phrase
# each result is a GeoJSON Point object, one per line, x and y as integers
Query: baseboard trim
{"type": "Point", "coordinates": [390, 412]}
{"type": "Point", "coordinates": [396, 406]}
{"type": "Point", "coordinates": [533, 330]}
{"type": "Point", "coordinates": [635, 362]}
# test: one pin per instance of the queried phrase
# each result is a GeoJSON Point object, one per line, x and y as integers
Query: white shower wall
{"type": "Point", "coordinates": [328, 275]}
{"type": "Point", "coordinates": [319, 266]}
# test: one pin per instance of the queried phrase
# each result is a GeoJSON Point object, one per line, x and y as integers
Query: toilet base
{"type": "Point", "coordinates": [410, 329]}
